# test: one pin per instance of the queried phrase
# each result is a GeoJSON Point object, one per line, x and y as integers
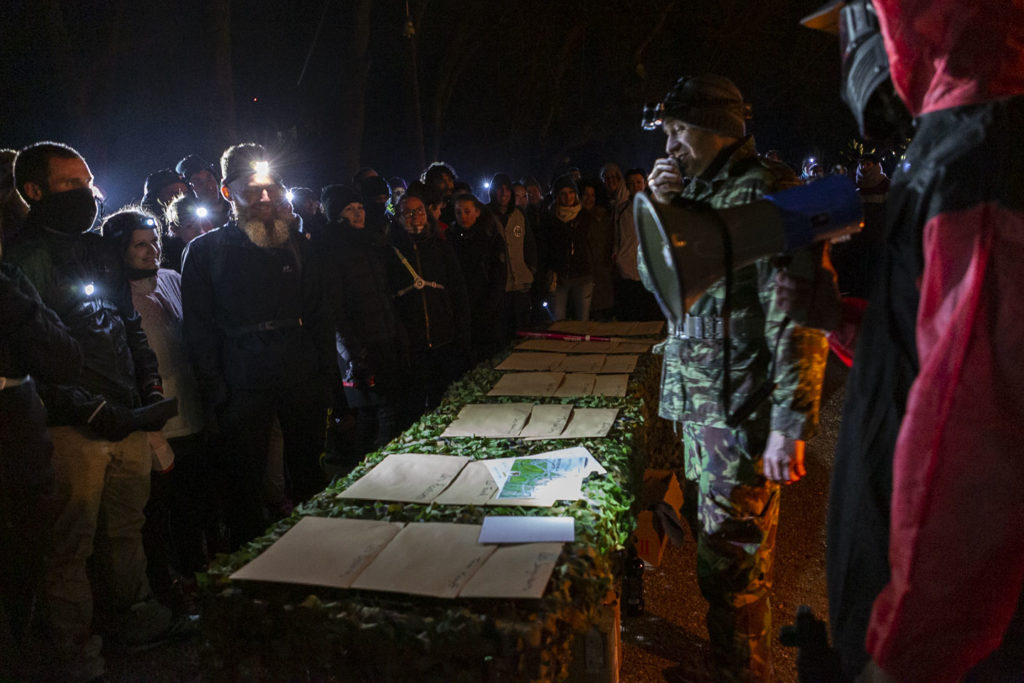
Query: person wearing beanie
{"type": "Point", "coordinates": [261, 339]}
{"type": "Point", "coordinates": [631, 300]}
{"type": "Point", "coordinates": [160, 189]}
{"type": "Point", "coordinates": [733, 472]}
{"type": "Point", "coordinates": [372, 347]}
{"type": "Point", "coordinates": [520, 253]}
{"type": "Point", "coordinates": [201, 175]}
{"type": "Point", "coordinates": [569, 257]}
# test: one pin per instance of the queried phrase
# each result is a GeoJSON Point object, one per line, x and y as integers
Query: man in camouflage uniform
{"type": "Point", "coordinates": [733, 473]}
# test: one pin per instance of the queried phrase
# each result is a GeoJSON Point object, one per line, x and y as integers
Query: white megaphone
{"type": "Point", "coordinates": [687, 247]}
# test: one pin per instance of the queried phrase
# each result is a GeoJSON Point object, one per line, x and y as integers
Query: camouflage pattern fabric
{"type": "Point", "coordinates": [735, 526]}
{"type": "Point", "coordinates": [737, 508]}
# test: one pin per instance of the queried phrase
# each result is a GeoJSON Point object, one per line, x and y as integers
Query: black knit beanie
{"type": "Point", "coordinates": [708, 101]}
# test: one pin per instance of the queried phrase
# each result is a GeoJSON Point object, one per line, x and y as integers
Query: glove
{"type": "Point", "coordinates": [113, 422]}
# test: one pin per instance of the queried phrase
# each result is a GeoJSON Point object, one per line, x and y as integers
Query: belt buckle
{"type": "Point", "coordinates": [698, 327]}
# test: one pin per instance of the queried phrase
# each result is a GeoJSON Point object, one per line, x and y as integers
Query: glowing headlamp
{"type": "Point", "coordinates": [202, 212]}
{"type": "Point", "coordinates": [653, 115]}
{"type": "Point", "coordinates": [261, 171]}
{"type": "Point", "coordinates": [150, 223]}
{"type": "Point", "coordinates": [290, 195]}
{"type": "Point", "coordinates": [89, 289]}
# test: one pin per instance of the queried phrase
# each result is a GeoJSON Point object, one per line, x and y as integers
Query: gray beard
{"type": "Point", "coordinates": [266, 233]}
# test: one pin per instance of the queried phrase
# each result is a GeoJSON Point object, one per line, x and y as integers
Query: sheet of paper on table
{"type": "Point", "coordinates": [514, 571]}
{"type": "Point", "coordinates": [619, 363]}
{"type": "Point", "coordinates": [584, 362]}
{"type": "Point", "coordinates": [321, 551]}
{"type": "Point", "coordinates": [547, 421]}
{"type": "Point", "coordinates": [527, 384]}
{"type": "Point", "coordinates": [576, 384]}
{"type": "Point", "coordinates": [428, 558]}
{"type": "Point", "coordinates": [610, 385]}
{"type": "Point", "coordinates": [473, 486]}
{"type": "Point", "coordinates": [589, 422]}
{"type": "Point", "coordinates": [532, 361]}
{"type": "Point", "coordinates": [496, 421]}
{"type": "Point", "coordinates": [519, 529]}
{"type": "Point", "coordinates": [407, 477]}
{"type": "Point", "coordinates": [545, 476]}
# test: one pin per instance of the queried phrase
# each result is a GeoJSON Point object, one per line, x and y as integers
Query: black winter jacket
{"type": "Point", "coordinates": [370, 339]}
{"type": "Point", "coordinates": [433, 316]}
{"type": "Point", "coordinates": [255, 318]}
{"type": "Point", "coordinates": [569, 254]}
{"type": "Point", "coordinates": [81, 278]}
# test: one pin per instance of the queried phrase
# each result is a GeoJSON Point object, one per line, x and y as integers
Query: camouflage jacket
{"type": "Point", "coordinates": [691, 383]}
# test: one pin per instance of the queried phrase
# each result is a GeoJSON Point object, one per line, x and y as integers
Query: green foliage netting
{"type": "Point", "coordinates": [287, 632]}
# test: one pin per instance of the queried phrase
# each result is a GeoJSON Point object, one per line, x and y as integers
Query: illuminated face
{"type": "Point", "coordinates": [567, 197]}
{"type": "Point", "coordinates": [635, 182]}
{"type": "Point", "coordinates": [413, 216]}
{"type": "Point", "coordinates": [466, 214]}
{"type": "Point", "coordinates": [446, 183]}
{"type": "Point", "coordinates": [205, 185]}
{"type": "Point", "coordinates": [612, 182]}
{"type": "Point", "coordinates": [143, 250]}
{"type": "Point", "coordinates": [193, 228]}
{"type": "Point", "coordinates": [522, 200]}
{"type": "Point", "coordinates": [258, 197]}
{"type": "Point", "coordinates": [589, 198]}
{"type": "Point", "coordinates": [694, 148]}
{"type": "Point", "coordinates": [355, 214]}
{"type": "Point", "coordinates": [503, 193]}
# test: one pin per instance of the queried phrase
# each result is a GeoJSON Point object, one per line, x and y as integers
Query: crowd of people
{"type": "Point", "coordinates": [166, 375]}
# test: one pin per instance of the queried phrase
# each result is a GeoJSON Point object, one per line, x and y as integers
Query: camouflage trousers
{"type": "Point", "coordinates": [734, 513]}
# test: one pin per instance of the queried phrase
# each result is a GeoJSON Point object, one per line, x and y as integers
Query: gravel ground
{"type": "Point", "coordinates": [669, 641]}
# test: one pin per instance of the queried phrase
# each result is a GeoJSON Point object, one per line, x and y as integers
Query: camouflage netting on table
{"type": "Point", "coordinates": [268, 631]}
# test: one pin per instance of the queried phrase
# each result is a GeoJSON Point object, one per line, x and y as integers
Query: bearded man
{"type": "Point", "coordinates": [260, 338]}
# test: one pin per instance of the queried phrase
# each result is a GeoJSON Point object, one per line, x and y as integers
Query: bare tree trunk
{"type": "Point", "coordinates": [352, 88]}
{"type": "Point", "coordinates": [224, 83]}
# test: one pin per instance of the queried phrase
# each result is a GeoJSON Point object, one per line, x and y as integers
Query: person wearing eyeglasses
{"type": "Point", "coordinates": [430, 295]}
{"type": "Point", "coordinates": [261, 340]}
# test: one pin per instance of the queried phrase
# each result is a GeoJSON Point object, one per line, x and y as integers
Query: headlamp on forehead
{"type": "Point", "coordinates": [655, 113]}
{"type": "Point", "coordinates": [202, 212]}
{"type": "Point", "coordinates": [261, 170]}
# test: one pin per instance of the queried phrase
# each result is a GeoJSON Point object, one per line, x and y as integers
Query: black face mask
{"type": "Point", "coordinates": [71, 212]}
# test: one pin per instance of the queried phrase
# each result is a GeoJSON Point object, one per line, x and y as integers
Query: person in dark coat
{"type": "Point", "coordinates": [569, 254]}
{"type": "Point", "coordinates": [101, 451]}
{"type": "Point", "coordinates": [33, 343]}
{"type": "Point", "coordinates": [370, 340]}
{"type": "Point", "coordinates": [430, 296]}
{"type": "Point", "coordinates": [259, 334]}
{"type": "Point", "coordinates": [481, 252]}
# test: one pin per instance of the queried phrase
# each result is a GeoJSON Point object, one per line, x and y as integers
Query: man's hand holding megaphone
{"type": "Point", "coordinates": [665, 180]}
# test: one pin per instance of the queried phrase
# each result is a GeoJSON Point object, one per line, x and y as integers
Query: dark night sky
{"type": "Point", "coordinates": [133, 86]}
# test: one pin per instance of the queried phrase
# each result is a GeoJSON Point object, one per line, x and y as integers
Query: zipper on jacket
{"type": "Point", "coordinates": [423, 294]}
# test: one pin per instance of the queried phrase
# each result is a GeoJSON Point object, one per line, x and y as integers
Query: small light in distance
{"type": "Point", "coordinates": [202, 212]}
{"type": "Point", "coordinates": [89, 289]}
{"type": "Point", "coordinates": [487, 185]}
{"type": "Point", "coordinates": [290, 195]}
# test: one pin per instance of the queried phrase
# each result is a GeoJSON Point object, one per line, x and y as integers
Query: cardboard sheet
{"type": "Point", "coordinates": [533, 361]}
{"type": "Point", "coordinates": [514, 571]}
{"type": "Point", "coordinates": [321, 551]}
{"type": "Point", "coordinates": [610, 385]}
{"type": "Point", "coordinates": [496, 421]}
{"type": "Point", "coordinates": [546, 421]}
{"type": "Point", "coordinates": [576, 384]}
{"type": "Point", "coordinates": [473, 486]}
{"type": "Point", "coordinates": [407, 477]}
{"type": "Point", "coordinates": [527, 384]}
{"type": "Point", "coordinates": [584, 362]}
{"type": "Point", "coordinates": [429, 558]}
{"type": "Point", "coordinates": [619, 363]}
{"type": "Point", "coordinates": [609, 329]}
{"type": "Point", "coordinates": [549, 345]}
{"type": "Point", "coordinates": [590, 422]}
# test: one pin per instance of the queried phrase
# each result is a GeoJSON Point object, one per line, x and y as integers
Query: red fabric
{"type": "Point", "coordinates": [949, 53]}
{"type": "Point", "coordinates": [843, 340]}
{"type": "Point", "coordinates": [957, 529]}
